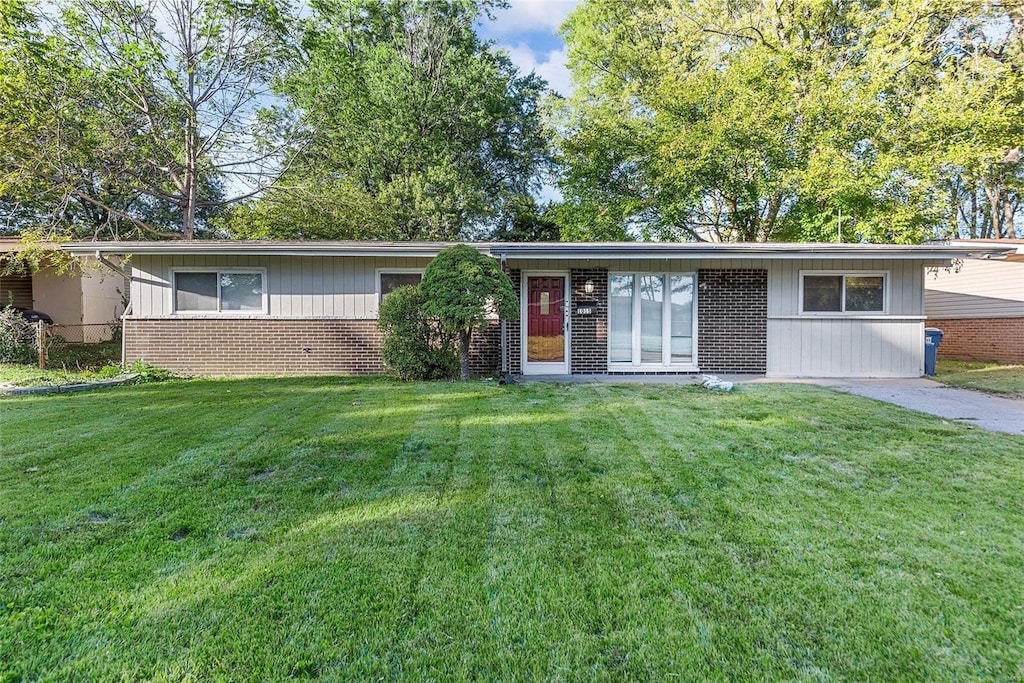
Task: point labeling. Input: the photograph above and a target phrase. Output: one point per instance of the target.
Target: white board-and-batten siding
(889, 345)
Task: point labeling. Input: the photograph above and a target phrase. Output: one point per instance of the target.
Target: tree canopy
(721, 120)
(135, 119)
(885, 120)
(411, 127)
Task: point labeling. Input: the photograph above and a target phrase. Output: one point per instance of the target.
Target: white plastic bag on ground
(712, 382)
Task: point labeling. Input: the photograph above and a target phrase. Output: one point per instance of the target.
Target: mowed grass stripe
(834, 516)
(364, 529)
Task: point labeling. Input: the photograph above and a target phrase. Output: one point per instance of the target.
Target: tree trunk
(993, 204)
(974, 212)
(191, 128)
(954, 209)
(464, 354)
(1009, 231)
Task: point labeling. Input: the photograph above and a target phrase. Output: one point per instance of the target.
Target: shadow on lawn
(254, 507)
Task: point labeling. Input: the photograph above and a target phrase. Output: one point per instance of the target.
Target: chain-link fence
(78, 347)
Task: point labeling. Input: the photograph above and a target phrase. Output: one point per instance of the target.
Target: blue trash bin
(932, 339)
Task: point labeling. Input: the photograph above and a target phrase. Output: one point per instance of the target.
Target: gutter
(505, 376)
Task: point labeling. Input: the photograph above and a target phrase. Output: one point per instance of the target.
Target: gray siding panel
(976, 288)
(941, 305)
(297, 287)
(845, 348)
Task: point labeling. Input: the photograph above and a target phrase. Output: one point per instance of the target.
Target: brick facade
(989, 339)
(732, 329)
(588, 341)
(732, 320)
(485, 351)
(515, 342)
(271, 346)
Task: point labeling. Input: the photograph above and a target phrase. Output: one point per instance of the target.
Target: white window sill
(197, 315)
(630, 367)
(845, 316)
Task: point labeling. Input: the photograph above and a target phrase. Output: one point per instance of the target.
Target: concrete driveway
(926, 396)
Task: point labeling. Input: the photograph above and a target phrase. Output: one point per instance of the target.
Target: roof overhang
(739, 250)
(264, 248)
(1014, 247)
(553, 250)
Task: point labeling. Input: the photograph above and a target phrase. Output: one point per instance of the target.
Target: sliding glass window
(651, 319)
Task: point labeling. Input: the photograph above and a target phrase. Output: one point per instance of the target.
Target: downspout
(505, 378)
(110, 264)
(128, 284)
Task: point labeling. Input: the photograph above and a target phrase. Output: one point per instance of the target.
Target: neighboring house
(785, 310)
(88, 298)
(979, 304)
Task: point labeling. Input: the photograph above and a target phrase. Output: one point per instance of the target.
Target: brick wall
(254, 346)
(732, 320)
(588, 339)
(991, 339)
(485, 351)
(515, 342)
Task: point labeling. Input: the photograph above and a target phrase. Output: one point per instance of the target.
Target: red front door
(545, 319)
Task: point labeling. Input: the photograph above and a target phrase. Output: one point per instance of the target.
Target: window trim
(666, 326)
(886, 279)
(393, 271)
(261, 270)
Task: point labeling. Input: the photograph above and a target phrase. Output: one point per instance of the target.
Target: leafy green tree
(524, 220)
(143, 114)
(756, 121)
(410, 126)
(462, 286)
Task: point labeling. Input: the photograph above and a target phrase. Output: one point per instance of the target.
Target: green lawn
(991, 377)
(361, 529)
(21, 375)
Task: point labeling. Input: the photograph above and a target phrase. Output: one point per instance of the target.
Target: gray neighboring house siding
(320, 309)
(979, 306)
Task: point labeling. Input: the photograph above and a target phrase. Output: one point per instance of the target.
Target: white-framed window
(825, 292)
(235, 291)
(389, 279)
(652, 319)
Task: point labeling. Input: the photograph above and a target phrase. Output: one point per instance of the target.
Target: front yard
(994, 378)
(362, 529)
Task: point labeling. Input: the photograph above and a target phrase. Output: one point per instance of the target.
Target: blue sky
(528, 31)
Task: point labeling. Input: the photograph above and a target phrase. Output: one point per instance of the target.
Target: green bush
(461, 288)
(17, 337)
(415, 347)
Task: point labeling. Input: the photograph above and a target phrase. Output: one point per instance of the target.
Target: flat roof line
(546, 250)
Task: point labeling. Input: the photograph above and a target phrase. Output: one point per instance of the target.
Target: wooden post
(41, 343)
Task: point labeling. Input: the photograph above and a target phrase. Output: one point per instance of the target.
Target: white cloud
(549, 65)
(533, 16)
